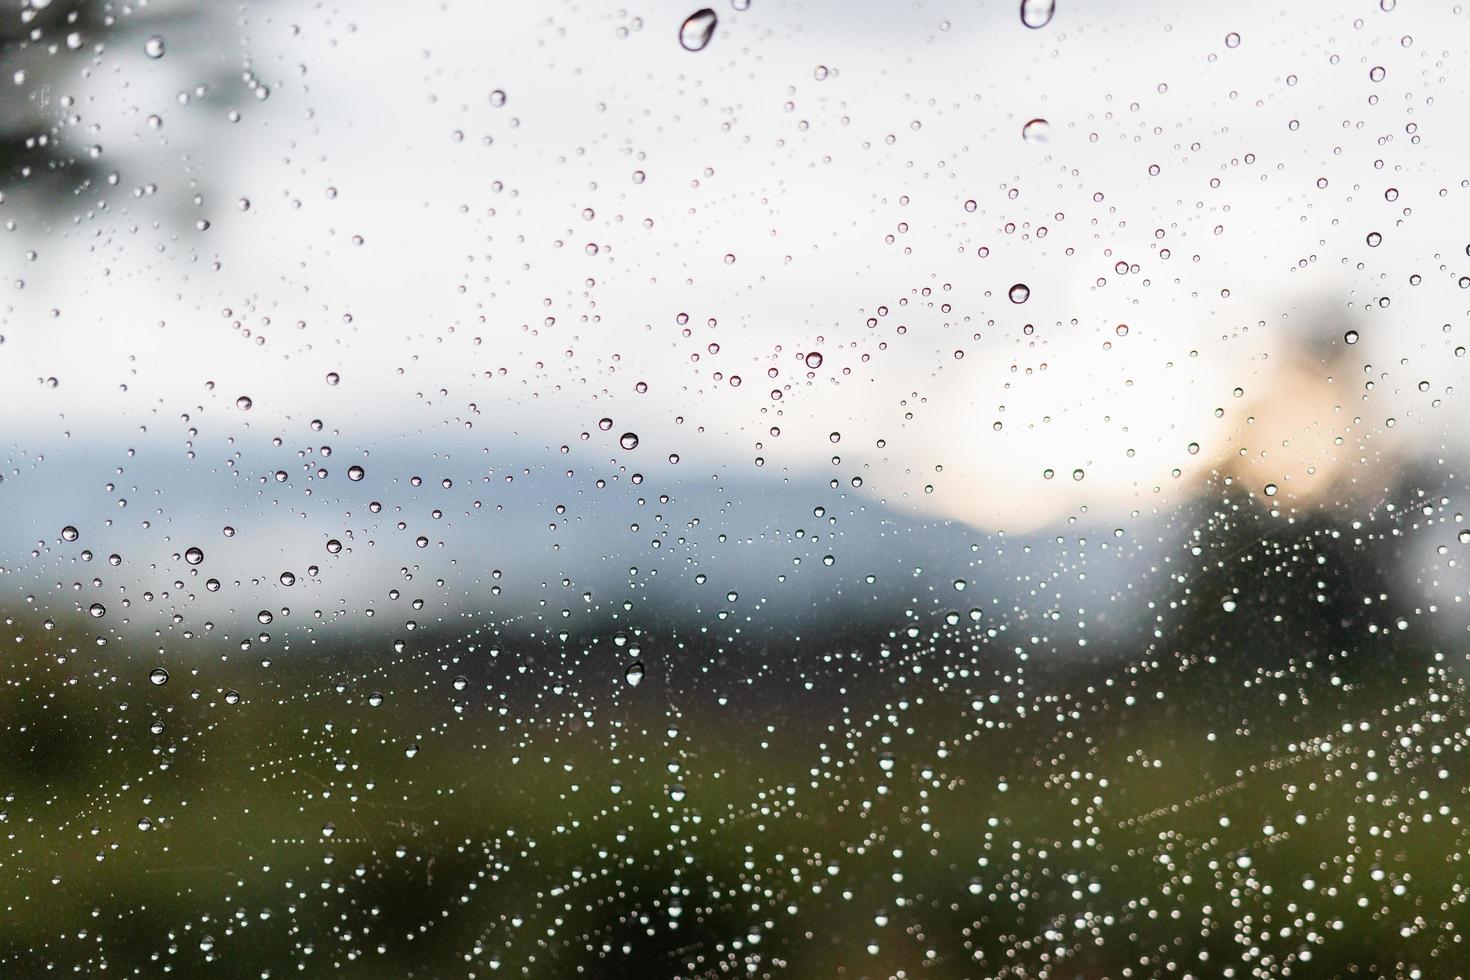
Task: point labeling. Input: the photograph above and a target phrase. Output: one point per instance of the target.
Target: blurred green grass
(1072, 826)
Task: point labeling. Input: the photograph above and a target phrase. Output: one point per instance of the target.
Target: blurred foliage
(1236, 791)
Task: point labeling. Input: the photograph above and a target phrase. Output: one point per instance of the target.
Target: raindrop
(355, 473)
(69, 533)
(628, 440)
(194, 556)
(814, 360)
(153, 47)
(697, 29)
(243, 403)
(1036, 131)
(1020, 293)
(634, 674)
(158, 676)
(1351, 337)
(1037, 13)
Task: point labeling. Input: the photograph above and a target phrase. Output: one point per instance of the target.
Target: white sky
(747, 153)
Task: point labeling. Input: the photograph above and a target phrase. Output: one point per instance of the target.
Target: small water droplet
(154, 46)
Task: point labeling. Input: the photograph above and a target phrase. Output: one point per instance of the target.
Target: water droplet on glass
(1037, 13)
(814, 360)
(153, 47)
(1036, 131)
(194, 556)
(628, 440)
(69, 533)
(158, 676)
(243, 403)
(634, 674)
(1351, 337)
(697, 29)
(355, 473)
(1020, 293)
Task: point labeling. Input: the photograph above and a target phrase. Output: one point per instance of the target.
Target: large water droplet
(697, 29)
(1036, 131)
(628, 440)
(153, 47)
(1037, 13)
(194, 556)
(634, 674)
(1020, 293)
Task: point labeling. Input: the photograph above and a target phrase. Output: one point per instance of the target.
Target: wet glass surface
(777, 489)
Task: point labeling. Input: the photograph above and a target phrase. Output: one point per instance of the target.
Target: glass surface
(790, 489)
